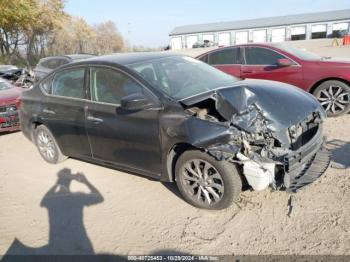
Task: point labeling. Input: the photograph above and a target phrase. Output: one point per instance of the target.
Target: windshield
(4, 85)
(180, 77)
(300, 53)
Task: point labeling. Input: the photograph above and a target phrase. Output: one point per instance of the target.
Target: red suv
(327, 79)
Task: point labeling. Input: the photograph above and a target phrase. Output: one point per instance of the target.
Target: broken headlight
(295, 131)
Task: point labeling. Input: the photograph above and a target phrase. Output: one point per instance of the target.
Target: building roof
(263, 22)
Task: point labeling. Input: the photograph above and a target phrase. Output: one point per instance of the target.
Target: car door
(127, 139)
(262, 63)
(63, 111)
(227, 60)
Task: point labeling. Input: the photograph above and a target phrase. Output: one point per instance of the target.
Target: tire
(219, 173)
(49, 151)
(334, 97)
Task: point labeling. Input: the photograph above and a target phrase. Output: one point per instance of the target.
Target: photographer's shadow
(67, 234)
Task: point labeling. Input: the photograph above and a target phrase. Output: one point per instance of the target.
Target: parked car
(205, 43)
(48, 64)
(9, 104)
(177, 119)
(10, 72)
(326, 79)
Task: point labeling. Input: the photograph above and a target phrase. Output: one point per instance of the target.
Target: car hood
(9, 95)
(261, 105)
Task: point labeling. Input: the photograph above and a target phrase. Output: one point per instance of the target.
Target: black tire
(335, 105)
(230, 179)
(54, 149)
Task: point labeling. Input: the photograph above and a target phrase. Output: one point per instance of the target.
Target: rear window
(53, 63)
(204, 58)
(227, 56)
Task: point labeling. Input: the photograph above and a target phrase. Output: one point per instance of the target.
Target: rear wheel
(47, 145)
(205, 182)
(334, 97)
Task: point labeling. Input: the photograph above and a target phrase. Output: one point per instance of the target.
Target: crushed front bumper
(306, 165)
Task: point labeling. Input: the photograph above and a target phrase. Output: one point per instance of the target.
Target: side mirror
(135, 102)
(284, 62)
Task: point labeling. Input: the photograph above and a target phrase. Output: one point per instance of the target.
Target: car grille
(8, 108)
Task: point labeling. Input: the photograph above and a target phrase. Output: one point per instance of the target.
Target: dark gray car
(48, 64)
(177, 119)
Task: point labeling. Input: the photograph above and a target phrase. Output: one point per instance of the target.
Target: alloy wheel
(46, 145)
(202, 182)
(334, 99)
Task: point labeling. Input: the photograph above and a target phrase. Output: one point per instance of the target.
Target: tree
(49, 16)
(32, 29)
(15, 18)
(108, 39)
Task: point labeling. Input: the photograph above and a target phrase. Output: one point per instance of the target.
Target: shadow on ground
(67, 234)
(68, 239)
(340, 151)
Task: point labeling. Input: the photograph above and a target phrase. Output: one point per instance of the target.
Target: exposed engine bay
(283, 150)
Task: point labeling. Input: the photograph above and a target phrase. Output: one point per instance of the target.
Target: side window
(226, 56)
(261, 56)
(69, 83)
(110, 86)
(46, 85)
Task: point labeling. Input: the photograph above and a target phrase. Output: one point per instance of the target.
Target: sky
(149, 22)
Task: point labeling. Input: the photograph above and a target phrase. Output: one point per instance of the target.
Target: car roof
(266, 45)
(72, 57)
(127, 58)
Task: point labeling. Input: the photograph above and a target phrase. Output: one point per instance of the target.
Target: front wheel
(47, 145)
(334, 97)
(205, 182)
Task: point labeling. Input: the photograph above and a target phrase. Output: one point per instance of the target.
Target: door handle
(94, 119)
(47, 111)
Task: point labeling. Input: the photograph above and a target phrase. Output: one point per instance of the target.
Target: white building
(273, 29)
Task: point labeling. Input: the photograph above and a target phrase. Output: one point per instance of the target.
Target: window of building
(318, 31)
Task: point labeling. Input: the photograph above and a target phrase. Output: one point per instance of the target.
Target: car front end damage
(273, 131)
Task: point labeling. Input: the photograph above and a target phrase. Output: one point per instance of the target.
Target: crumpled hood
(261, 105)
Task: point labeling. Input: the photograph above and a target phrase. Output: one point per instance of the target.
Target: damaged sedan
(177, 119)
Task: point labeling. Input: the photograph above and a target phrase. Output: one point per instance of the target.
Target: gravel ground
(128, 214)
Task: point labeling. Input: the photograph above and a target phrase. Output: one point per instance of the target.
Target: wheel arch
(35, 123)
(315, 85)
(173, 155)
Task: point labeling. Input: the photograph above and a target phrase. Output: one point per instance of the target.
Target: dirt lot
(128, 214)
(132, 215)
